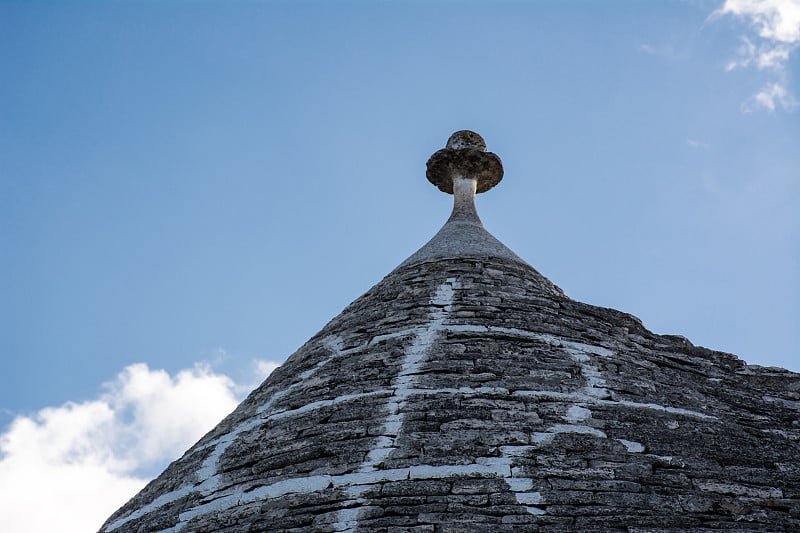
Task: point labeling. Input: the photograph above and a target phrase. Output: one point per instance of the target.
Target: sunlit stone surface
(466, 392)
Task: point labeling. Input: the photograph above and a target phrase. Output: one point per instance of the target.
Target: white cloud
(775, 20)
(775, 57)
(764, 57)
(769, 97)
(777, 25)
(696, 144)
(265, 368)
(67, 468)
(259, 371)
(661, 51)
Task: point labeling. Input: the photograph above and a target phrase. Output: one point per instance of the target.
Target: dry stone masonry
(467, 393)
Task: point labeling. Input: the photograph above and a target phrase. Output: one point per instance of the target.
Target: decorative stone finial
(465, 157)
(463, 169)
(466, 139)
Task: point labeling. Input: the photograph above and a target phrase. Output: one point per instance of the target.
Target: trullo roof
(466, 392)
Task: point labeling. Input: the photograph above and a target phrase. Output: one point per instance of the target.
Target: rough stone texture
(465, 392)
(464, 233)
(465, 155)
(527, 412)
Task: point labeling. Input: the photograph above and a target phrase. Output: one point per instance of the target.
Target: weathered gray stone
(465, 392)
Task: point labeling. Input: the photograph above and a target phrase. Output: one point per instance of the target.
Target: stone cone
(466, 392)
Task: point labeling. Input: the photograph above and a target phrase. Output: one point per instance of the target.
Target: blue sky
(200, 187)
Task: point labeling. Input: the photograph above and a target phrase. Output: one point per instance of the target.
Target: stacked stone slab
(466, 392)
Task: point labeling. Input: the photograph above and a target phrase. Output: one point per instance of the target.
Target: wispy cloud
(776, 24)
(696, 144)
(264, 368)
(258, 372)
(67, 468)
(771, 96)
(776, 20)
(666, 52)
(763, 57)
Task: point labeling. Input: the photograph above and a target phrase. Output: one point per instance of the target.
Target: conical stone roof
(466, 392)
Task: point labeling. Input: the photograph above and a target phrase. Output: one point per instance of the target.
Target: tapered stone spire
(466, 393)
(464, 168)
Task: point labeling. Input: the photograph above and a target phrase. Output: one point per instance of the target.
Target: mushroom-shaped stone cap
(466, 139)
(465, 156)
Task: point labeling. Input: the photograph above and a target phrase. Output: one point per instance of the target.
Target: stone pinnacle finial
(465, 157)
(466, 139)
